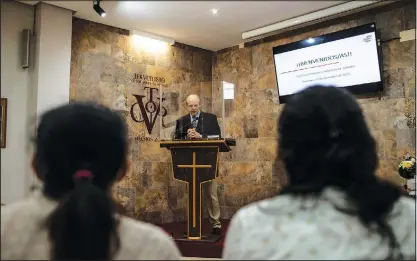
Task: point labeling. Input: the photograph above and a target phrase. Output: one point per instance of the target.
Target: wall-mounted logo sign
(150, 110)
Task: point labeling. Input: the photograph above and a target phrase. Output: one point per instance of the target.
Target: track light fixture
(98, 9)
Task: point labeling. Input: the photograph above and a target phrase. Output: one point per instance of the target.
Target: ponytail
(83, 226)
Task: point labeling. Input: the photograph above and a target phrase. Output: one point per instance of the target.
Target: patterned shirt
(196, 117)
(288, 227)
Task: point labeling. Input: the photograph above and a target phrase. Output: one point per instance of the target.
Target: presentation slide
(347, 62)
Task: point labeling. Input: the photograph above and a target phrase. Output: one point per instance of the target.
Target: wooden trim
(192, 141)
(3, 122)
(219, 142)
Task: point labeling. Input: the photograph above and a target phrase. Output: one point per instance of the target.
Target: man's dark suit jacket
(207, 125)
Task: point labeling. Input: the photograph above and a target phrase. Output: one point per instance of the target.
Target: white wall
(15, 85)
(32, 91)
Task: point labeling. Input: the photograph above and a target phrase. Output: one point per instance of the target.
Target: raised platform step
(197, 249)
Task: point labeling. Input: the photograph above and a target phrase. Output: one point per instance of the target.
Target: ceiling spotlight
(98, 9)
(214, 11)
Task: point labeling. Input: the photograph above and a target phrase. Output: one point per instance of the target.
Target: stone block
(251, 126)
(405, 138)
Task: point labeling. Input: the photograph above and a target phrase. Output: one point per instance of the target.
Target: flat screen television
(348, 59)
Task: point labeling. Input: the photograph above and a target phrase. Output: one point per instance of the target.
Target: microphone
(202, 126)
(186, 125)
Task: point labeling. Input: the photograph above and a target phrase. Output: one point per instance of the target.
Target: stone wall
(248, 173)
(103, 67)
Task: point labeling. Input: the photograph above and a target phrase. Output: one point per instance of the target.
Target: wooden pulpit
(195, 162)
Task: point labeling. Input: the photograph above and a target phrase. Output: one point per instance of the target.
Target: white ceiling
(191, 22)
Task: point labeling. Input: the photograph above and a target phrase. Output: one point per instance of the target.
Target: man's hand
(197, 135)
(189, 131)
(193, 134)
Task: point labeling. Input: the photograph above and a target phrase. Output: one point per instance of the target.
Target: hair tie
(83, 174)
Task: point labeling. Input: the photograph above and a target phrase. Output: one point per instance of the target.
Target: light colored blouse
(21, 237)
(288, 227)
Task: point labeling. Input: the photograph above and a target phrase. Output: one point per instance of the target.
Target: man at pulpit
(196, 125)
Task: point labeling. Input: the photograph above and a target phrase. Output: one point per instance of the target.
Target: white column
(50, 72)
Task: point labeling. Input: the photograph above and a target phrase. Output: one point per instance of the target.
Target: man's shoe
(216, 231)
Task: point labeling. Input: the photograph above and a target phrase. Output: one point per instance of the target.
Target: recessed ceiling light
(310, 40)
(214, 11)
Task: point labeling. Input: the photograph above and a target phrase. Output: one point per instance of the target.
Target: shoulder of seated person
(9, 208)
(252, 209)
(405, 205)
(402, 221)
(274, 206)
(140, 228)
(28, 205)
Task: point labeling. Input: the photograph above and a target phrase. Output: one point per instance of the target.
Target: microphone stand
(202, 125)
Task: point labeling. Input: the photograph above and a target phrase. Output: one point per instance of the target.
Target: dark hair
(81, 136)
(324, 141)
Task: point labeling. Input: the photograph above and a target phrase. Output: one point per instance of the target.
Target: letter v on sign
(149, 122)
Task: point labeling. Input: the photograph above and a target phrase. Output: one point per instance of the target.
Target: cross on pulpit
(195, 166)
(195, 162)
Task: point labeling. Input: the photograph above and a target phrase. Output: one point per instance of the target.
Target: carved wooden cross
(195, 166)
